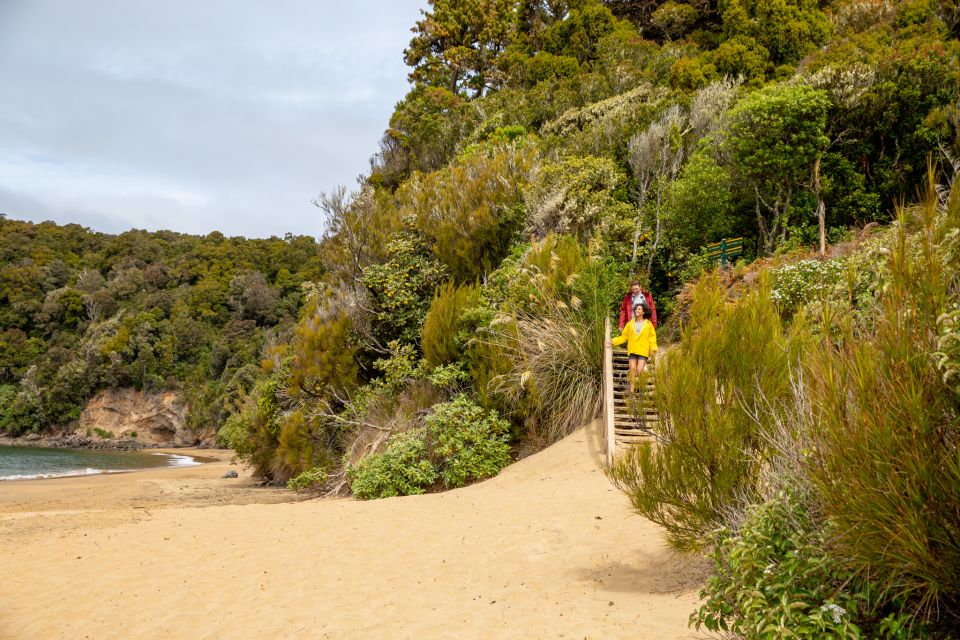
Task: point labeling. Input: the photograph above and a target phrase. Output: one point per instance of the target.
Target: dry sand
(547, 549)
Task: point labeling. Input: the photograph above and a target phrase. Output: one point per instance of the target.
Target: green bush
(467, 443)
(309, 479)
(403, 287)
(403, 468)
(773, 578)
(461, 442)
(439, 340)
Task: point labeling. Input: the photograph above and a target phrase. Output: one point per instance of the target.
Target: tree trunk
(637, 229)
(821, 208)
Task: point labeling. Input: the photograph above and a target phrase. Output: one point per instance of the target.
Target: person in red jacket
(636, 296)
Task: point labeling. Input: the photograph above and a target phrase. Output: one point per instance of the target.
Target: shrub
(402, 469)
(555, 350)
(805, 281)
(466, 442)
(461, 442)
(773, 578)
(403, 287)
(440, 341)
(469, 212)
(308, 479)
(887, 469)
(579, 196)
(305, 442)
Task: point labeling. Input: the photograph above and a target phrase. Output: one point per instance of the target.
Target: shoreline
(75, 441)
(196, 485)
(175, 461)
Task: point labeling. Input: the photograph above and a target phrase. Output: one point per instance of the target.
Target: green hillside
(82, 311)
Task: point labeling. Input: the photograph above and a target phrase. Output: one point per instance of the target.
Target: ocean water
(26, 463)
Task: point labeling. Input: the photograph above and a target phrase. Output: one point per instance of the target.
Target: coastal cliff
(150, 418)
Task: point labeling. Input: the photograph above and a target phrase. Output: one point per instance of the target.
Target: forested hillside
(81, 311)
(546, 153)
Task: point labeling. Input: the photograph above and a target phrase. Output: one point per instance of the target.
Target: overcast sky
(195, 115)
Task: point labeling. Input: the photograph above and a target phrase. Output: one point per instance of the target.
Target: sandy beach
(548, 549)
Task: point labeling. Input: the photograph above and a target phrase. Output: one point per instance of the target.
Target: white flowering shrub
(795, 285)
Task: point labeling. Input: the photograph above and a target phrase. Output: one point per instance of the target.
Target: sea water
(27, 463)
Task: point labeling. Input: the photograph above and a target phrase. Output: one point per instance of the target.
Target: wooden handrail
(610, 437)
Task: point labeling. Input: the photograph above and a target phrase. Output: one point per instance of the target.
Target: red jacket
(626, 309)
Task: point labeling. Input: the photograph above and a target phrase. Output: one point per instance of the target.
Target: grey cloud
(193, 116)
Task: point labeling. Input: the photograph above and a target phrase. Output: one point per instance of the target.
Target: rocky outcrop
(150, 418)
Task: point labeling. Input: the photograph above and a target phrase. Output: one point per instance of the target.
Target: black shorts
(638, 358)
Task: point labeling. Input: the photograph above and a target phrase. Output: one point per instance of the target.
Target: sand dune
(548, 549)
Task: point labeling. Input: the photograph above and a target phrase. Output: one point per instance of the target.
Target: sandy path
(548, 549)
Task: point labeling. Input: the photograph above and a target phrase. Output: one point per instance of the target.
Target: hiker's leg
(633, 373)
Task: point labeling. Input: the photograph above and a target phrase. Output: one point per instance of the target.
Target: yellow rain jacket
(640, 342)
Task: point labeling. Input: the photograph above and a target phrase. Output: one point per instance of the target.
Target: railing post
(609, 435)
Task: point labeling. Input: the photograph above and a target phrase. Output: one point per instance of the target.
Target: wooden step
(635, 433)
(634, 423)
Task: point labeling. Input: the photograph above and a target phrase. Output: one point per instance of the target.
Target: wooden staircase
(629, 416)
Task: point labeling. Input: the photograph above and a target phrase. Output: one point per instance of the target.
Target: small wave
(60, 474)
(178, 460)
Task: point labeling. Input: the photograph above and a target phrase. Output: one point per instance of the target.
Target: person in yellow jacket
(641, 339)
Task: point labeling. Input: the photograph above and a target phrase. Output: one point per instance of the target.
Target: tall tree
(773, 142)
(457, 43)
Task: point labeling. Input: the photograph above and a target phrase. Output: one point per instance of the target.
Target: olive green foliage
(674, 19)
(456, 44)
(581, 196)
(470, 212)
(886, 469)
(425, 131)
(698, 206)
(253, 432)
(786, 30)
(551, 330)
(357, 229)
(538, 273)
(460, 442)
(309, 479)
(81, 311)
(323, 354)
(712, 435)
(442, 341)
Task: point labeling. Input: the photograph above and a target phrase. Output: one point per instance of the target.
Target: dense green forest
(82, 311)
(451, 318)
